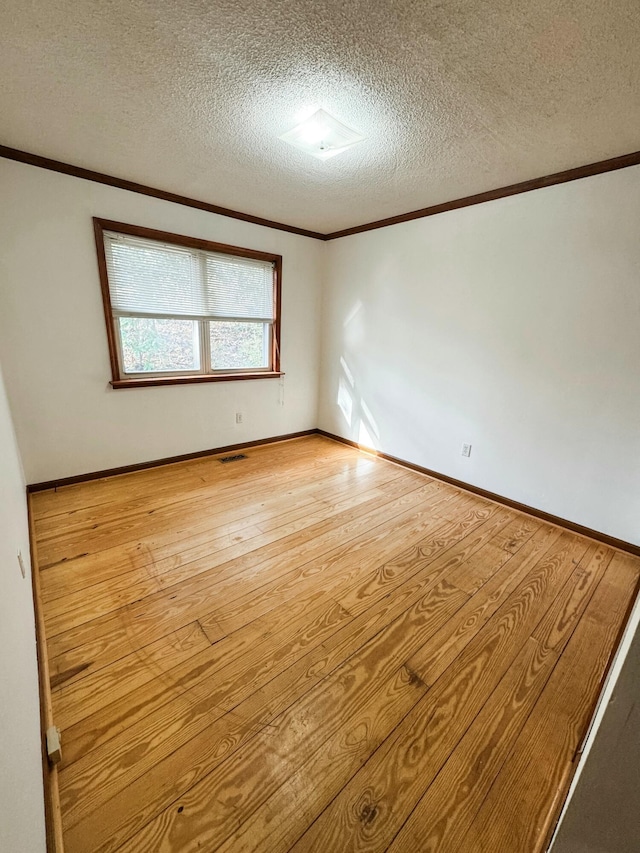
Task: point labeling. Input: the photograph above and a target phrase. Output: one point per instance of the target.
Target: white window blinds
(148, 278)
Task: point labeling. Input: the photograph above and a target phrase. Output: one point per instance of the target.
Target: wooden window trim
(121, 380)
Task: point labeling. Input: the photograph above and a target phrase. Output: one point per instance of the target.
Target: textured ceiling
(454, 96)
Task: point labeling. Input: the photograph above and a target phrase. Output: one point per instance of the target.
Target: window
(179, 309)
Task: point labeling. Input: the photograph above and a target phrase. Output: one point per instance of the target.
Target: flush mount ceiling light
(322, 135)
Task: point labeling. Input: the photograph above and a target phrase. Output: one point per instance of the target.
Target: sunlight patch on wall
(345, 401)
(366, 412)
(364, 437)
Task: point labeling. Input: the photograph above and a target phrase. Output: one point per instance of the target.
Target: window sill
(143, 382)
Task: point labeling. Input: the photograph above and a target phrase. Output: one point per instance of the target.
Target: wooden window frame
(118, 378)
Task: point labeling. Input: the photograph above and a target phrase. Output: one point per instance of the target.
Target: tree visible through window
(154, 345)
(183, 307)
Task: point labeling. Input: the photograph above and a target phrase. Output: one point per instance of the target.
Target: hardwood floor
(315, 650)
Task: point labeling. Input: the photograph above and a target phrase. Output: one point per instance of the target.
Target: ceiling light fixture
(322, 136)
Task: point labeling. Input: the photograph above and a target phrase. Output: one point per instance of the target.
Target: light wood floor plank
(527, 792)
(432, 660)
(211, 532)
(182, 476)
(107, 632)
(179, 512)
(242, 640)
(305, 726)
(388, 787)
(459, 789)
(199, 576)
(313, 649)
(166, 779)
(185, 605)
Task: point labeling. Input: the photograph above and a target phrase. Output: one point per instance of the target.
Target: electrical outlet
(466, 450)
(238, 417)
(23, 571)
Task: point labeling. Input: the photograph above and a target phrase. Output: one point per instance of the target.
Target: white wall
(21, 797)
(512, 325)
(54, 348)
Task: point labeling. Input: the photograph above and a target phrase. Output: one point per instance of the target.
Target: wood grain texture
(465, 780)
(155, 463)
(316, 649)
(559, 721)
(52, 809)
(565, 523)
(390, 785)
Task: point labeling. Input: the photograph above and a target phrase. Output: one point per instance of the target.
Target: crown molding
(143, 189)
(599, 168)
(576, 174)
